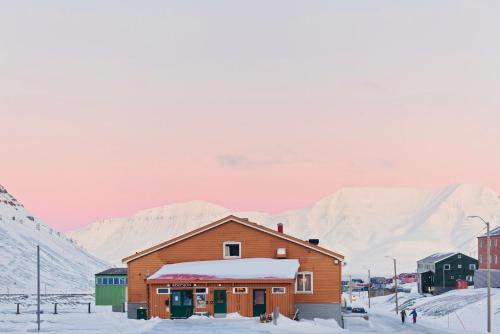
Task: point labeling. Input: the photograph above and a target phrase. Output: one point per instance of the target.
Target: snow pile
(364, 224)
(65, 268)
(229, 269)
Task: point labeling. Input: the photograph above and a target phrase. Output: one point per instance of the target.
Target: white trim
(162, 293)
(446, 266)
(240, 293)
(278, 287)
(227, 257)
(228, 219)
(312, 282)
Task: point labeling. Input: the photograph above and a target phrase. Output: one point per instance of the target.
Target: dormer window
(232, 250)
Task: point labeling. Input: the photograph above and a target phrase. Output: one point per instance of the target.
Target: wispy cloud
(241, 161)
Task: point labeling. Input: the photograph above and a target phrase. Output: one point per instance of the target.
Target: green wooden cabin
(111, 288)
(440, 272)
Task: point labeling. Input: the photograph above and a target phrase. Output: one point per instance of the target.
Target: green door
(220, 305)
(181, 304)
(259, 302)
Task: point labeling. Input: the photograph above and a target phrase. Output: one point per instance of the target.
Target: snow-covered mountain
(65, 267)
(364, 224)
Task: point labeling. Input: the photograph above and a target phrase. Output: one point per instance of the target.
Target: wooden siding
(254, 244)
(241, 303)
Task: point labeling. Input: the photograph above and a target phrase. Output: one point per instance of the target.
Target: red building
(494, 249)
(480, 276)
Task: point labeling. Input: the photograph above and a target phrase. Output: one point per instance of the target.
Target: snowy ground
(459, 311)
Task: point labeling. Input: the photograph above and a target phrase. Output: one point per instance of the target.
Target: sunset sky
(108, 107)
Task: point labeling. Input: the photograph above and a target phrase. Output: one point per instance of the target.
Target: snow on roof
(493, 232)
(436, 257)
(113, 271)
(258, 268)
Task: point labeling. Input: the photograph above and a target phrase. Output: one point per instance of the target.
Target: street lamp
(395, 283)
(488, 268)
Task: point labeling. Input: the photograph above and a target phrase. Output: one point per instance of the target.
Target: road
(383, 322)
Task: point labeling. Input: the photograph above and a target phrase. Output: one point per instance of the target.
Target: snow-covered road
(382, 322)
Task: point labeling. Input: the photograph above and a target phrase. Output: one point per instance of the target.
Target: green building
(111, 288)
(442, 272)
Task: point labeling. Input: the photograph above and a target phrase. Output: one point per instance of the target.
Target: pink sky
(105, 111)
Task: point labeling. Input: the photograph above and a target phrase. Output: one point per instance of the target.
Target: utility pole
(395, 283)
(488, 270)
(350, 289)
(369, 286)
(38, 285)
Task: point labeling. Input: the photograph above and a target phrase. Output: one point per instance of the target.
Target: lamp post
(395, 283)
(488, 269)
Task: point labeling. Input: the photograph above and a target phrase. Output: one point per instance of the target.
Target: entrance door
(181, 304)
(220, 305)
(259, 302)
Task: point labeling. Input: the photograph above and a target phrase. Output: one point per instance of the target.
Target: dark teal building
(441, 272)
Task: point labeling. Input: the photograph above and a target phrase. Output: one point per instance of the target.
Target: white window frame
(480, 259)
(459, 266)
(446, 266)
(240, 293)
(162, 293)
(278, 287)
(312, 282)
(472, 266)
(227, 257)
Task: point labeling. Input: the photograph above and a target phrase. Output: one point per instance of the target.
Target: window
(163, 291)
(98, 280)
(495, 242)
(470, 278)
(278, 290)
(459, 266)
(446, 267)
(201, 297)
(104, 280)
(480, 243)
(480, 259)
(126, 281)
(116, 281)
(459, 256)
(472, 266)
(239, 291)
(304, 282)
(452, 277)
(232, 250)
(122, 281)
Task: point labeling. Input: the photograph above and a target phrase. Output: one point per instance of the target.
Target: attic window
(232, 250)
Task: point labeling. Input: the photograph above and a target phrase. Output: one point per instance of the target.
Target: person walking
(403, 316)
(414, 314)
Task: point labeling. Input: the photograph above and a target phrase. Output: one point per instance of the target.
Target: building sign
(181, 285)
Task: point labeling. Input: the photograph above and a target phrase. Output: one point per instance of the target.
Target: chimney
(314, 241)
(280, 228)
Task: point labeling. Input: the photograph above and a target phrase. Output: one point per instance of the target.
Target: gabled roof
(436, 257)
(113, 271)
(493, 232)
(243, 221)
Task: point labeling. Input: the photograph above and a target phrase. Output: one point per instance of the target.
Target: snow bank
(229, 269)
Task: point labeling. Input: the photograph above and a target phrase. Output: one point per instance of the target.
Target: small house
(111, 288)
(441, 272)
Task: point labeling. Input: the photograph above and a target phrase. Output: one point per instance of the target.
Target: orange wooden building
(234, 265)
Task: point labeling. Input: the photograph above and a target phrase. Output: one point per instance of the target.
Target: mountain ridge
(65, 267)
(362, 223)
